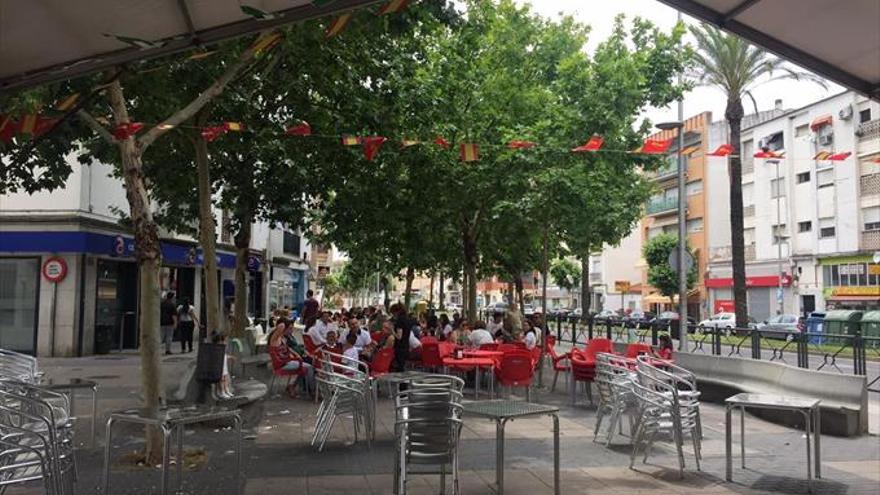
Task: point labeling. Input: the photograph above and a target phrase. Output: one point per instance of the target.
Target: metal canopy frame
(728, 22)
(192, 38)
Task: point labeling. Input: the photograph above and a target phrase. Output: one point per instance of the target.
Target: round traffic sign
(876, 256)
(54, 269)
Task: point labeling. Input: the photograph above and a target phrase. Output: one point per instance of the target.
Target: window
(802, 130)
(292, 244)
(778, 233)
(864, 115)
(748, 193)
(826, 228)
(871, 217)
(773, 142)
(695, 225)
(19, 288)
(803, 177)
(695, 187)
(777, 187)
(805, 226)
(825, 178)
(749, 236)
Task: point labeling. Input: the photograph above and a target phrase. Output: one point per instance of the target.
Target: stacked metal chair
(427, 428)
(345, 391)
(36, 429)
(665, 410)
(614, 378)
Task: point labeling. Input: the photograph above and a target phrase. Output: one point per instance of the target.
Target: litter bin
(103, 339)
(815, 323)
(842, 322)
(209, 363)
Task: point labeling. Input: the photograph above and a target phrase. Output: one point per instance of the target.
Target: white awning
(50, 40)
(837, 39)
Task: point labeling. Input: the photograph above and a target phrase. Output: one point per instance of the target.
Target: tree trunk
(431, 291)
(470, 261)
(407, 295)
(207, 231)
(464, 296)
(242, 253)
(734, 114)
(518, 285)
(440, 295)
(545, 267)
(148, 254)
(585, 288)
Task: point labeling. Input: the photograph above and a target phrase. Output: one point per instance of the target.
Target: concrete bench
(844, 397)
(243, 349)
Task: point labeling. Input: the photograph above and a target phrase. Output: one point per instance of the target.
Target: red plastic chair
(634, 350)
(429, 339)
(375, 336)
(381, 363)
(560, 361)
(582, 370)
(311, 348)
(516, 370)
(489, 347)
(278, 360)
(598, 346)
(536, 356)
(431, 356)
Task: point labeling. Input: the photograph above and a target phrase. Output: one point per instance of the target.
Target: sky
(599, 15)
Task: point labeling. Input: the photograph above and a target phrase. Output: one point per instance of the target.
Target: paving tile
(870, 470)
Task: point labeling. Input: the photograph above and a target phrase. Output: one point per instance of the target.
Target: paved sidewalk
(278, 458)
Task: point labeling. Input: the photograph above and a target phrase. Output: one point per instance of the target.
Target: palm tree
(736, 68)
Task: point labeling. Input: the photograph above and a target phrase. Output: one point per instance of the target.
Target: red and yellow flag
(654, 146)
(338, 25)
(350, 140)
(301, 129)
(234, 126)
(393, 6)
(27, 124)
(769, 154)
(839, 157)
(470, 152)
(210, 134)
(67, 103)
(593, 144)
(521, 145)
(406, 143)
(372, 145)
(127, 129)
(690, 150)
(821, 156)
(7, 127)
(723, 150)
(439, 141)
(265, 42)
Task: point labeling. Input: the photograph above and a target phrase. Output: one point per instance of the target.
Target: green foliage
(566, 273)
(660, 274)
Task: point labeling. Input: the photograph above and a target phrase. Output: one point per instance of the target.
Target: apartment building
(616, 275)
(811, 226)
(73, 235)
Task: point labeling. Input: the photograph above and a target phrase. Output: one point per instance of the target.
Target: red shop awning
(821, 122)
(762, 281)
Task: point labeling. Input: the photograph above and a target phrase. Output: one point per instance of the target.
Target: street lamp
(779, 236)
(682, 231)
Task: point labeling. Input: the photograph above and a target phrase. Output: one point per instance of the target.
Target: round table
(476, 363)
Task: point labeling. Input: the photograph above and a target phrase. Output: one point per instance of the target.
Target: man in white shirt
(414, 342)
(362, 335)
(318, 332)
(480, 336)
(496, 324)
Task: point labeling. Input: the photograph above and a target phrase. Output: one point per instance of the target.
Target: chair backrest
(596, 346)
(278, 357)
(516, 368)
(431, 355)
(551, 340)
(491, 346)
(636, 349)
(429, 339)
(309, 343)
(381, 362)
(375, 336)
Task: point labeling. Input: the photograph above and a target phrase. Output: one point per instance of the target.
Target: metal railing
(837, 353)
(660, 205)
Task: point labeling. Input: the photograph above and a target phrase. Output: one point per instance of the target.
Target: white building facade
(810, 226)
(615, 264)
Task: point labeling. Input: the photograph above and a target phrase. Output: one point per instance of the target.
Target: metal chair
(342, 395)
(613, 382)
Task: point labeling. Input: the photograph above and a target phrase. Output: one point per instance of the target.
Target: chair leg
(599, 415)
(272, 385)
(443, 479)
(555, 377)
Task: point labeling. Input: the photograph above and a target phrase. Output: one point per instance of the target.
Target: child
(223, 388)
(665, 350)
(351, 351)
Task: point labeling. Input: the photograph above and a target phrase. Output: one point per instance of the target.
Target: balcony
(595, 278)
(725, 253)
(749, 211)
(871, 240)
(668, 171)
(656, 206)
(868, 130)
(869, 184)
(748, 166)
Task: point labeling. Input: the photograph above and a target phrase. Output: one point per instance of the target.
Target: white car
(720, 320)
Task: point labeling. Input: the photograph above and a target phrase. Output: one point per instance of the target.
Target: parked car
(558, 313)
(720, 320)
(451, 308)
(639, 319)
(780, 326)
(577, 312)
(499, 307)
(606, 316)
(528, 309)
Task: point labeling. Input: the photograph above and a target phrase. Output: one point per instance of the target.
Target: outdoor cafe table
(70, 386)
(502, 411)
(477, 363)
(808, 407)
(171, 420)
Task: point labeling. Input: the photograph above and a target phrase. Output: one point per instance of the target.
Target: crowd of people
(360, 333)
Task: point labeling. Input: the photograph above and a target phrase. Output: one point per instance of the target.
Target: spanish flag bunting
(43, 125)
(822, 155)
(164, 126)
(258, 14)
(593, 144)
(654, 146)
(392, 7)
(210, 134)
(769, 154)
(521, 145)
(301, 129)
(372, 144)
(127, 129)
(723, 150)
(690, 150)
(67, 103)
(406, 143)
(201, 55)
(873, 160)
(233, 126)
(439, 141)
(265, 42)
(27, 124)
(337, 25)
(470, 152)
(7, 127)
(351, 140)
(839, 157)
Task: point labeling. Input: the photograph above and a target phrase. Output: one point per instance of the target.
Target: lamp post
(678, 126)
(778, 235)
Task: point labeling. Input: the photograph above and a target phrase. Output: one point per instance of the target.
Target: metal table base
(70, 387)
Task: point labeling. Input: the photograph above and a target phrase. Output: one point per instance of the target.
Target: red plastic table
(476, 363)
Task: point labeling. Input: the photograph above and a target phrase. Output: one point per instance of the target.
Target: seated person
(292, 360)
(664, 350)
(363, 338)
(332, 345)
(480, 336)
(445, 327)
(530, 338)
(460, 335)
(349, 349)
(318, 331)
(496, 324)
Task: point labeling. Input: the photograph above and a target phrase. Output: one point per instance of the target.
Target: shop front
(288, 283)
(763, 293)
(851, 282)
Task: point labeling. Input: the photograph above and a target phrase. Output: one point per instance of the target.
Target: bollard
(756, 343)
(859, 357)
(803, 357)
(654, 331)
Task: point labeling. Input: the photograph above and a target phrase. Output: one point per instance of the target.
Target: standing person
(496, 324)
(445, 327)
(403, 325)
(311, 307)
(186, 322)
(167, 320)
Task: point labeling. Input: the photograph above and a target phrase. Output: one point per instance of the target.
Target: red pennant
(372, 144)
(439, 141)
(8, 128)
(723, 150)
(655, 146)
(521, 145)
(839, 157)
(470, 152)
(126, 130)
(769, 154)
(211, 134)
(302, 129)
(875, 160)
(233, 126)
(44, 124)
(593, 144)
